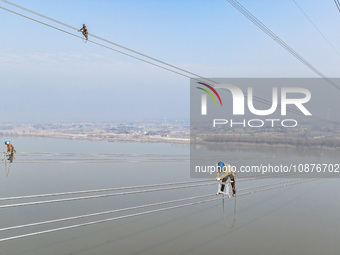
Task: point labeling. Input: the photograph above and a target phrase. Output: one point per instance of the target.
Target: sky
(50, 76)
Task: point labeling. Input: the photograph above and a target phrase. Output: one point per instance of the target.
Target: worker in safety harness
(225, 171)
(84, 31)
(10, 151)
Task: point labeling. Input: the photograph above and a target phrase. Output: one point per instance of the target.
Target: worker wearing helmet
(225, 171)
(10, 151)
(84, 31)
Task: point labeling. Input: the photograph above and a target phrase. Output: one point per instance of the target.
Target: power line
(278, 40)
(102, 213)
(101, 196)
(110, 42)
(96, 43)
(131, 208)
(97, 157)
(100, 190)
(80, 154)
(127, 209)
(105, 40)
(324, 37)
(337, 4)
(136, 187)
(141, 213)
(106, 220)
(199, 78)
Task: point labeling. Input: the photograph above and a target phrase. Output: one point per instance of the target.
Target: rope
(138, 214)
(7, 163)
(234, 217)
(225, 216)
(7, 168)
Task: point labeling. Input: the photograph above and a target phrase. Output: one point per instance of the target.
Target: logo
(282, 99)
(239, 100)
(204, 97)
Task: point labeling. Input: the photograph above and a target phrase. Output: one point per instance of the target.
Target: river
(297, 219)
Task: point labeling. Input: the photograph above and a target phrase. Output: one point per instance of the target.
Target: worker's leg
(224, 180)
(233, 184)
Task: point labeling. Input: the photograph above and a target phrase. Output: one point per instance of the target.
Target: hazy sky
(49, 76)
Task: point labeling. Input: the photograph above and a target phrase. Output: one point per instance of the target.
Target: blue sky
(49, 76)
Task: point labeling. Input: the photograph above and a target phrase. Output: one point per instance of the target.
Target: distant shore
(175, 132)
(275, 141)
(244, 141)
(98, 137)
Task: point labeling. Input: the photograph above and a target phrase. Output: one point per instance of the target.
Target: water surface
(299, 219)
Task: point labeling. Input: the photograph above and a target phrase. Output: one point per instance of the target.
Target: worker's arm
(223, 175)
(218, 176)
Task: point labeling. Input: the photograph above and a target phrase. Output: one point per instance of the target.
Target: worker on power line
(225, 171)
(85, 32)
(10, 151)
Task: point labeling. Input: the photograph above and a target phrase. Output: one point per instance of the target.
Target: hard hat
(220, 165)
(83, 24)
(7, 142)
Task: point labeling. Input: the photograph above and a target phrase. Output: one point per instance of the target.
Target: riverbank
(168, 132)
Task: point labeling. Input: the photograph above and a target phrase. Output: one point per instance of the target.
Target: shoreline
(100, 137)
(156, 139)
